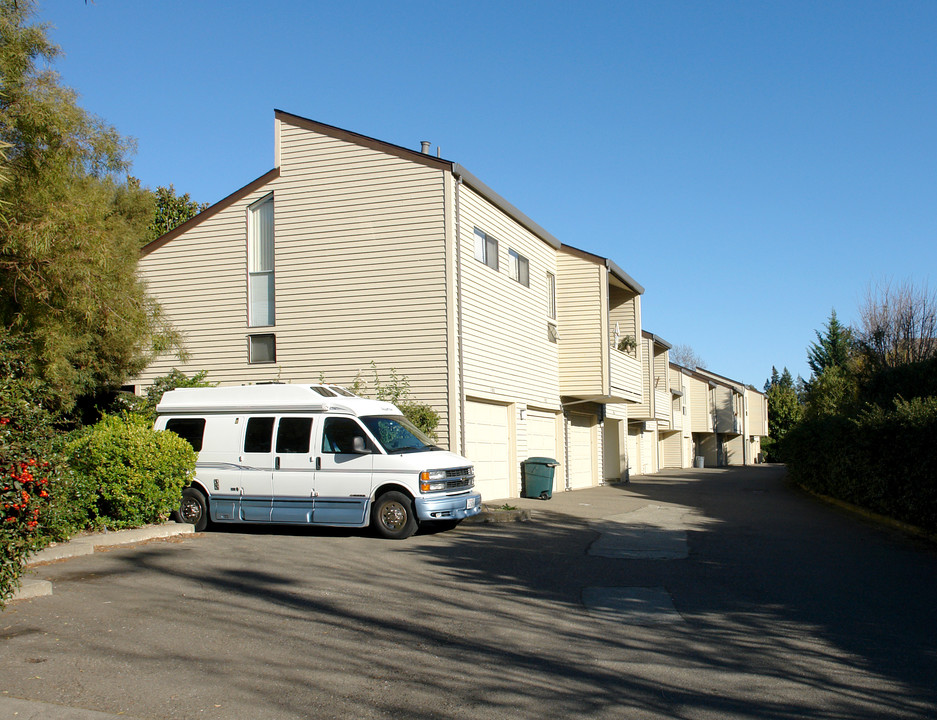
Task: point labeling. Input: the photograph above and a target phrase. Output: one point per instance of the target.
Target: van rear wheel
(194, 508)
(393, 517)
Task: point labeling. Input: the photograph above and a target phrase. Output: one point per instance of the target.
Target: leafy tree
(73, 227)
(833, 348)
(171, 211)
(784, 410)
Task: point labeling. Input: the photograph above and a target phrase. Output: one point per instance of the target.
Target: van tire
(392, 516)
(194, 508)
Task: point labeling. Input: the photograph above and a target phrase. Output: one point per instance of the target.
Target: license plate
(469, 503)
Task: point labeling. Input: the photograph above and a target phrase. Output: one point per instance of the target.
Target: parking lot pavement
(752, 601)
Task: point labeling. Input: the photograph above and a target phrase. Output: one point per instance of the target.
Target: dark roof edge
(624, 277)
(611, 267)
(359, 139)
(503, 205)
(734, 384)
(210, 210)
(656, 339)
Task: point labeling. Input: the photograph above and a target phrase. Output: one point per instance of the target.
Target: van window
(339, 433)
(293, 435)
(192, 430)
(259, 435)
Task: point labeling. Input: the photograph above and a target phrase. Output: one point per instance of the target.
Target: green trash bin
(537, 477)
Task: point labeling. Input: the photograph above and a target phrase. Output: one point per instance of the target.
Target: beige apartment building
(353, 251)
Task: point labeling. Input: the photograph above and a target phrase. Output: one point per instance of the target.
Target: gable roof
(416, 156)
(211, 210)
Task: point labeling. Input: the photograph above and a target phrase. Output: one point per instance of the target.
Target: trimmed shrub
(137, 474)
(884, 460)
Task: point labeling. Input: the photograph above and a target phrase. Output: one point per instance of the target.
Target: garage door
(541, 442)
(487, 445)
(581, 468)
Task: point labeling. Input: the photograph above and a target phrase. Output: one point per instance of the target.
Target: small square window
(262, 348)
(486, 249)
(520, 267)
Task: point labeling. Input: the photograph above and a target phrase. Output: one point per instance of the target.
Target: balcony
(625, 376)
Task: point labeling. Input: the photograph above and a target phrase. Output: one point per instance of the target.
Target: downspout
(458, 303)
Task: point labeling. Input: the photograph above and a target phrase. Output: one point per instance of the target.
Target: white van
(313, 455)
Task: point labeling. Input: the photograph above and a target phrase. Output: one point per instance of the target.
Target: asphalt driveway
(695, 594)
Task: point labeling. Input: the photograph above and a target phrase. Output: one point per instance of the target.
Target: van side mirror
(358, 446)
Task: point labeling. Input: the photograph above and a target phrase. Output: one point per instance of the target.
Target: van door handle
(318, 463)
(276, 464)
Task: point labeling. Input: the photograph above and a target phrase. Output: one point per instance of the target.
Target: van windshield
(396, 434)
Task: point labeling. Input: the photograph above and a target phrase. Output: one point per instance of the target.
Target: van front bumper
(448, 508)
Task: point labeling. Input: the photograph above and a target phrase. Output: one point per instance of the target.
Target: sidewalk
(88, 544)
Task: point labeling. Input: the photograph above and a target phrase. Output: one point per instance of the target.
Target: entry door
(581, 451)
(343, 481)
(256, 484)
(294, 471)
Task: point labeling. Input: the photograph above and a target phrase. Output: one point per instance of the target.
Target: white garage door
(541, 442)
(487, 445)
(581, 468)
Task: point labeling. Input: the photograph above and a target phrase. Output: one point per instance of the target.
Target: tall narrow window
(551, 296)
(520, 267)
(260, 263)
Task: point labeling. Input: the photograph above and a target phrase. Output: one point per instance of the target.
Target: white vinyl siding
(361, 274)
(581, 315)
(506, 349)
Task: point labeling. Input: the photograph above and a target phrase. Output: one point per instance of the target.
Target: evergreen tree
(784, 410)
(73, 225)
(833, 348)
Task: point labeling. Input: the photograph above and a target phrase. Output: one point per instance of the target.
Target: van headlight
(432, 480)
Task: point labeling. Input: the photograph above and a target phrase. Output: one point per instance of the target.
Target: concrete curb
(87, 545)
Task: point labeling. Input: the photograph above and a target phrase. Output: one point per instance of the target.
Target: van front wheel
(393, 517)
(194, 508)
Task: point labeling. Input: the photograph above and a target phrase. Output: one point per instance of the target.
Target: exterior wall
(357, 231)
(581, 289)
(507, 354)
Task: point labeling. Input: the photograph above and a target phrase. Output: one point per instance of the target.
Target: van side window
(192, 430)
(293, 435)
(339, 433)
(259, 435)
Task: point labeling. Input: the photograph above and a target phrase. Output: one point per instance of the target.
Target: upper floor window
(260, 281)
(551, 296)
(486, 249)
(520, 267)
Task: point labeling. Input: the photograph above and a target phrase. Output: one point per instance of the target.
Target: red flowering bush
(24, 497)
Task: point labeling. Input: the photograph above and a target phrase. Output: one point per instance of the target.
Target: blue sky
(754, 165)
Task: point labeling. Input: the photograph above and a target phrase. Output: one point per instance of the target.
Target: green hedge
(135, 473)
(885, 460)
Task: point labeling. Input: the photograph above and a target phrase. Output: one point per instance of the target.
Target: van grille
(457, 484)
(460, 478)
(460, 472)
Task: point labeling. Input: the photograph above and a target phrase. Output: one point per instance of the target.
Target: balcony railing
(625, 375)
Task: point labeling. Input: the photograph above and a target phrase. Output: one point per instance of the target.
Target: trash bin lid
(551, 462)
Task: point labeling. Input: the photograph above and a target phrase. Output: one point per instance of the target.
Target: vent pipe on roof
(425, 144)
